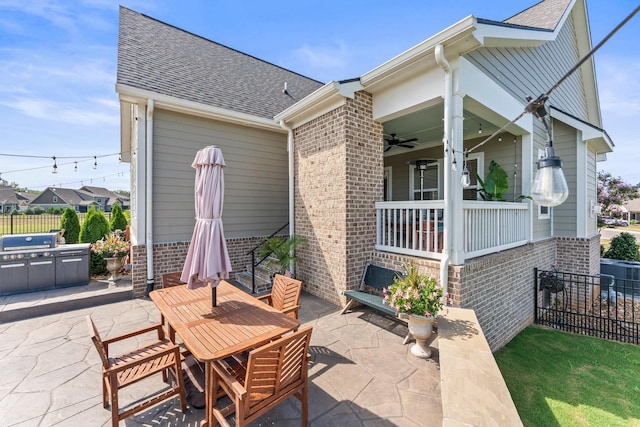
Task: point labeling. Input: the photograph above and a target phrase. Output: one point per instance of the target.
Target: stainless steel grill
(30, 262)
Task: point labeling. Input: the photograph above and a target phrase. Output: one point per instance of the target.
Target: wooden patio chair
(159, 356)
(270, 375)
(169, 280)
(284, 296)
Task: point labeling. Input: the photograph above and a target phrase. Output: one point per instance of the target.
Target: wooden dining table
(238, 322)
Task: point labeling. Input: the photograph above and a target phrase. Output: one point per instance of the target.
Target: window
(55, 199)
(430, 182)
(475, 164)
(387, 184)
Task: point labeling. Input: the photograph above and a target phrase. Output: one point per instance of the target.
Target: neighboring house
(632, 210)
(11, 200)
(105, 199)
(334, 162)
(54, 197)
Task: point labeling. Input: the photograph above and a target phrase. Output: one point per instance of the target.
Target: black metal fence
(42, 223)
(600, 306)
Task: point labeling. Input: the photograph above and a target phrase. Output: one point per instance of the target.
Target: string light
(55, 166)
(465, 179)
(95, 162)
(75, 168)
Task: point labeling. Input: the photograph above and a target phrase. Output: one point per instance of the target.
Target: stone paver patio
(361, 374)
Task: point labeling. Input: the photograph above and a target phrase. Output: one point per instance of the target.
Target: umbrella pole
(214, 302)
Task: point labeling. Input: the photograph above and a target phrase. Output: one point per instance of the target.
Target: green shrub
(118, 220)
(71, 225)
(623, 247)
(94, 227)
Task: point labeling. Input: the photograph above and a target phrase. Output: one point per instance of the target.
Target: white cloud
(84, 114)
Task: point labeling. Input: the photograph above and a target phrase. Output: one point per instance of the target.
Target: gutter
(446, 138)
(149, 196)
(284, 126)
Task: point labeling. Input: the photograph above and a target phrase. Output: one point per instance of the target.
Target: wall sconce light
(549, 185)
(55, 166)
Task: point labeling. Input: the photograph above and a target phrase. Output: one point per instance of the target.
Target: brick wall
(168, 257)
(500, 288)
(337, 215)
(579, 255)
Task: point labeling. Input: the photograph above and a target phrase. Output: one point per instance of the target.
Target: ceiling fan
(396, 142)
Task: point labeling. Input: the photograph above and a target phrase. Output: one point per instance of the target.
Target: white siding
(592, 192)
(256, 176)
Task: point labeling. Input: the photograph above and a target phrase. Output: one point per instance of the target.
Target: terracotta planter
(421, 327)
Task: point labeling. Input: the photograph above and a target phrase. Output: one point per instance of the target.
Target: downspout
(446, 138)
(149, 195)
(284, 126)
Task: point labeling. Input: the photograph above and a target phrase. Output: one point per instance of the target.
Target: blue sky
(58, 67)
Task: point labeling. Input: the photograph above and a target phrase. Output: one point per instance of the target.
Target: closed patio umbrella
(207, 259)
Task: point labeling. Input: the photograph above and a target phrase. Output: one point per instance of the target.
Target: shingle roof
(67, 195)
(545, 15)
(8, 196)
(632, 205)
(164, 59)
(98, 191)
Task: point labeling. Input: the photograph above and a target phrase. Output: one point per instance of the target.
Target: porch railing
(493, 226)
(416, 227)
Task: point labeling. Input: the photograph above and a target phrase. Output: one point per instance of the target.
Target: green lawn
(561, 379)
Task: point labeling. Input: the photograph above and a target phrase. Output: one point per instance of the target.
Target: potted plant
(421, 298)
(495, 184)
(113, 249)
(279, 254)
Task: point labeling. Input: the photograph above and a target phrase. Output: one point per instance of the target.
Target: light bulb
(465, 179)
(549, 185)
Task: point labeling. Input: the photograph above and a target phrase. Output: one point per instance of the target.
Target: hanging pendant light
(55, 166)
(549, 185)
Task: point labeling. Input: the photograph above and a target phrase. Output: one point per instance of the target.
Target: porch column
(456, 212)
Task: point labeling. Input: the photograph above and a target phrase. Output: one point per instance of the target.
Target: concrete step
(42, 303)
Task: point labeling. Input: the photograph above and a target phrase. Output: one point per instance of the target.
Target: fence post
(11, 223)
(535, 295)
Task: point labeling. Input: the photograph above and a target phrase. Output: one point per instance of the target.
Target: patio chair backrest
(97, 342)
(285, 292)
(276, 369)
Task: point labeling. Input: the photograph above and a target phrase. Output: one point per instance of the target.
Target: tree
(613, 192)
(71, 225)
(623, 247)
(94, 227)
(118, 220)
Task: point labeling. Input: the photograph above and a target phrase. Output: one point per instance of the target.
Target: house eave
(592, 135)
(327, 98)
(132, 95)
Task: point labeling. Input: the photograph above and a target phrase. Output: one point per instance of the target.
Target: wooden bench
(369, 293)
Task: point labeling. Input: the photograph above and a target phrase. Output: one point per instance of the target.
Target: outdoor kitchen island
(33, 262)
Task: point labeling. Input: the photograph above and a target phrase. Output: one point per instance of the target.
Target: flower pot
(421, 327)
(114, 265)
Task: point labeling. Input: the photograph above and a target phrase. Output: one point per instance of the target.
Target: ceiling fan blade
(406, 146)
(410, 140)
(387, 149)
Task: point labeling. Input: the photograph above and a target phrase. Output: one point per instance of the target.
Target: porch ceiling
(427, 126)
